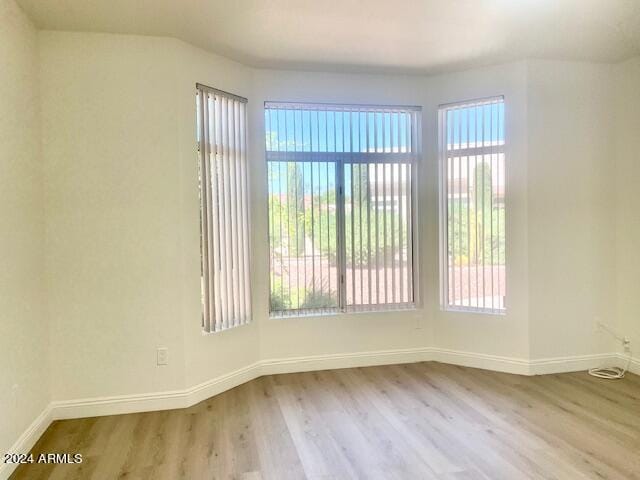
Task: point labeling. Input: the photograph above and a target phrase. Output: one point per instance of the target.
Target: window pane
(378, 244)
(340, 206)
(474, 199)
(302, 236)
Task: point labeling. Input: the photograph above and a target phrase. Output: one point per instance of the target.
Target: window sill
(395, 309)
(223, 330)
(476, 311)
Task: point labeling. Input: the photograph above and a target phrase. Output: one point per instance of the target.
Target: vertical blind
(472, 162)
(341, 206)
(224, 208)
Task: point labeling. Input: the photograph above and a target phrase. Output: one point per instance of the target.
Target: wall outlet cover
(163, 356)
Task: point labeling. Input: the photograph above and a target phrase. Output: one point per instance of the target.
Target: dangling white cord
(613, 373)
(609, 373)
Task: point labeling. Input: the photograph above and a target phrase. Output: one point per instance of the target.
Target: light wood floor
(417, 421)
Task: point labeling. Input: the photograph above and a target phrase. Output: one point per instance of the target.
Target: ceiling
(367, 35)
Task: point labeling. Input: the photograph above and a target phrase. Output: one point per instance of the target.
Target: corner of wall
(159, 300)
(627, 216)
(570, 179)
(24, 340)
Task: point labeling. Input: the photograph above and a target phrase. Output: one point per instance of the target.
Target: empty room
(330, 239)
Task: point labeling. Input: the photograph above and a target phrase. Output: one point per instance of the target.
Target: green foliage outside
(367, 241)
(318, 300)
(283, 299)
(473, 240)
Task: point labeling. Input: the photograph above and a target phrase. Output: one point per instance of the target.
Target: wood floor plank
(538, 413)
(319, 454)
(414, 421)
(280, 457)
(398, 455)
(402, 419)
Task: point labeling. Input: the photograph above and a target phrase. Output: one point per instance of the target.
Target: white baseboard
(576, 363)
(344, 360)
(148, 402)
(116, 405)
(480, 360)
(27, 440)
(92, 407)
(221, 384)
(634, 364)
(543, 366)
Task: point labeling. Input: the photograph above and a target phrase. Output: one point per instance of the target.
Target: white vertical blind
(223, 170)
(472, 222)
(341, 206)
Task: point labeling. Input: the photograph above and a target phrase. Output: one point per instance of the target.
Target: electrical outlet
(163, 356)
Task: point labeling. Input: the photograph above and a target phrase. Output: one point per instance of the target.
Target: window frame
(443, 183)
(341, 159)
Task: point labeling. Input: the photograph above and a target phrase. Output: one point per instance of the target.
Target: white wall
(207, 356)
(570, 198)
(112, 213)
(122, 214)
(122, 233)
(501, 335)
(122, 223)
(627, 127)
(427, 326)
(24, 382)
(122, 218)
(333, 334)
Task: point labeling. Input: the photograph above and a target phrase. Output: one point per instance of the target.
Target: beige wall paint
(627, 127)
(570, 201)
(24, 381)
